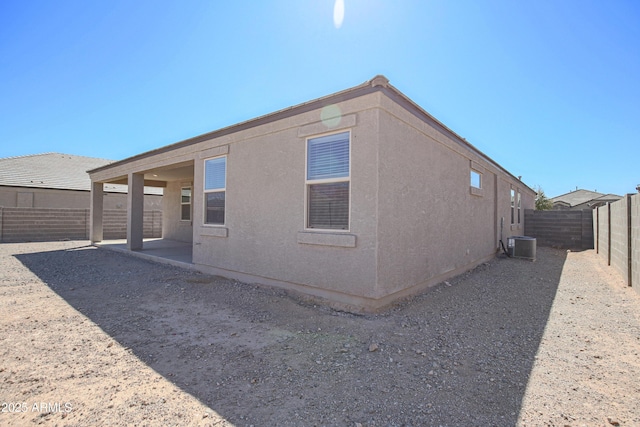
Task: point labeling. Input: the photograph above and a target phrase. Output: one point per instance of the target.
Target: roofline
(394, 94)
(574, 191)
(48, 153)
(609, 196)
(377, 84)
(354, 92)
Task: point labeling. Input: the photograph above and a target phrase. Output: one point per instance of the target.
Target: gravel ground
(93, 337)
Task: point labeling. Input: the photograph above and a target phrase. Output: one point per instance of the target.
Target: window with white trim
(513, 206)
(215, 183)
(185, 204)
(519, 205)
(328, 182)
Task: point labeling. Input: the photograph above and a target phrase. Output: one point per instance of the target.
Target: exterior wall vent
(522, 247)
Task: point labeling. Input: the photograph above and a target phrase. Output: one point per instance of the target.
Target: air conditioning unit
(522, 247)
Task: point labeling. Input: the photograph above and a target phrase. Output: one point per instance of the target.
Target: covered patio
(174, 176)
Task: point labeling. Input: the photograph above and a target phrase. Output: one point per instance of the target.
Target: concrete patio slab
(165, 251)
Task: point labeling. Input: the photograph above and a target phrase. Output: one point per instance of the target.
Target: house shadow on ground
(459, 354)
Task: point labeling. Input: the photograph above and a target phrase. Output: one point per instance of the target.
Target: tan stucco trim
(213, 231)
(476, 191)
(476, 166)
(317, 128)
(327, 239)
(213, 152)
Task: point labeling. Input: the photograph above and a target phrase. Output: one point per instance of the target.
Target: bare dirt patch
(122, 341)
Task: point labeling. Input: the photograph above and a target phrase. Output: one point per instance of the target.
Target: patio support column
(135, 211)
(95, 214)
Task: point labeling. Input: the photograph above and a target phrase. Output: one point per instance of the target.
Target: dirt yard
(90, 337)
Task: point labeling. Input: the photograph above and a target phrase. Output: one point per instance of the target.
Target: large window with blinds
(328, 181)
(215, 185)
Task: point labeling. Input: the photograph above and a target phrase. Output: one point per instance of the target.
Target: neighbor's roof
(579, 197)
(55, 171)
(608, 197)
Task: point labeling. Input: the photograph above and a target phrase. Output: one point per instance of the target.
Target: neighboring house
(582, 199)
(359, 198)
(50, 182)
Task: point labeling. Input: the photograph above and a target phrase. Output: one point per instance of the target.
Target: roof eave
(378, 83)
(354, 92)
(406, 102)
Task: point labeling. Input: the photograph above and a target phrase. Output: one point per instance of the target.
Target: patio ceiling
(159, 177)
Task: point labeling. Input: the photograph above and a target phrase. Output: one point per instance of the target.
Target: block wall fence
(569, 229)
(46, 224)
(616, 228)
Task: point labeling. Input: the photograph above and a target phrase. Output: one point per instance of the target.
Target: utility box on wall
(522, 247)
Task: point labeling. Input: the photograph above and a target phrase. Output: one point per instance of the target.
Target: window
(185, 204)
(519, 205)
(328, 182)
(215, 182)
(476, 179)
(513, 205)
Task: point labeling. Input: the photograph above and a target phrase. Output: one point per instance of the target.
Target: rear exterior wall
(431, 224)
(173, 227)
(264, 238)
(414, 219)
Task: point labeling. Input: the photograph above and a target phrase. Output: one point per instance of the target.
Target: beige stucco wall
(173, 227)
(413, 214)
(431, 225)
(265, 210)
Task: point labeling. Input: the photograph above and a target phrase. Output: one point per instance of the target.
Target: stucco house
(582, 199)
(357, 198)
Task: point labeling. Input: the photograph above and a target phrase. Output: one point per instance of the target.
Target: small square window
(476, 179)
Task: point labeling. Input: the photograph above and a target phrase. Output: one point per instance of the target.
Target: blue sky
(549, 89)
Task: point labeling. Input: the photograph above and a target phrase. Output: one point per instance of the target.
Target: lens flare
(331, 115)
(338, 13)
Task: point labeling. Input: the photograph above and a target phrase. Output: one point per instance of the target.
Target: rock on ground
(92, 337)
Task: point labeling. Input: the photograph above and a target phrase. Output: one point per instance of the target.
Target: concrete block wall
(617, 237)
(42, 224)
(601, 231)
(152, 224)
(571, 229)
(635, 242)
(114, 223)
